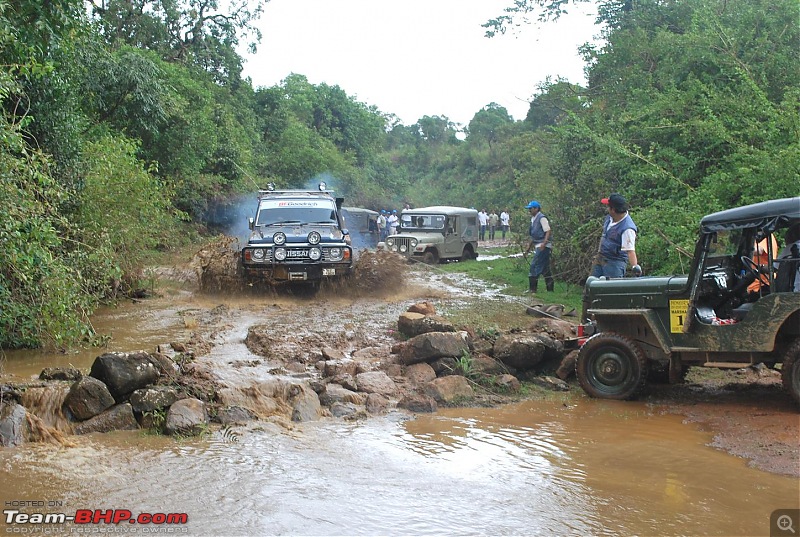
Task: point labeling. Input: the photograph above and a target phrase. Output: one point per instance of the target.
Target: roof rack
(322, 188)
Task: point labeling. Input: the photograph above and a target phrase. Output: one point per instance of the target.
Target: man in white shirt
(483, 221)
(505, 222)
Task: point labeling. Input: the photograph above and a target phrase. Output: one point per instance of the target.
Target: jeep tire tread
(430, 258)
(790, 370)
(611, 366)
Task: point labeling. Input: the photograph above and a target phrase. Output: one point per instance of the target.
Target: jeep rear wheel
(611, 366)
(790, 370)
(468, 254)
(430, 257)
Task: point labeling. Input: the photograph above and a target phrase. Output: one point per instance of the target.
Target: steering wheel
(750, 266)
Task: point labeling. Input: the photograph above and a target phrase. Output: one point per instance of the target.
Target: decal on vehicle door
(677, 315)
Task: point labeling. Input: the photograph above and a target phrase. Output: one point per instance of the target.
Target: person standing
(382, 225)
(494, 220)
(392, 222)
(542, 245)
(483, 221)
(618, 241)
(505, 222)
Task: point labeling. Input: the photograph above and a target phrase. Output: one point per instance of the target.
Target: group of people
(387, 223)
(617, 244)
(490, 223)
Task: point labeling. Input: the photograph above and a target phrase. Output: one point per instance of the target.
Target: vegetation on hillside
(122, 124)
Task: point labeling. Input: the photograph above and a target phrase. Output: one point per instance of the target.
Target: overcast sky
(415, 58)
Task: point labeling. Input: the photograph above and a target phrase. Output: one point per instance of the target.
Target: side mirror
(251, 223)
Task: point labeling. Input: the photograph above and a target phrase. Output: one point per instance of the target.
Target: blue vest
(536, 231)
(611, 241)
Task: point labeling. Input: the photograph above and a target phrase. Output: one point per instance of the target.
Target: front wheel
(430, 258)
(790, 370)
(611, 366)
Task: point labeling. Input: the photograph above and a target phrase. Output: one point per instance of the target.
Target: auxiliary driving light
(279, 238)
(280, 254)
(315, 254)
(314, 237)
(258, 254)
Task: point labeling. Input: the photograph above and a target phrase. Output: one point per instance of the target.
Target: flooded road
(566, 464)
(543, 468)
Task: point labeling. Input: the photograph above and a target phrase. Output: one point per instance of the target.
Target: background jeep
(297, 235)
(433, 234)
(706, 318)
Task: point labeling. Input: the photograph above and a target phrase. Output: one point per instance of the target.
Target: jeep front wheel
(790, 370)
(611, 366)
(430, 257)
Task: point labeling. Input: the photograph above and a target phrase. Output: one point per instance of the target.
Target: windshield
(278, 212)
(422, 221)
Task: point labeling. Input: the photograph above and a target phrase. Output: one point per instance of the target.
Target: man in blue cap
(542, 245)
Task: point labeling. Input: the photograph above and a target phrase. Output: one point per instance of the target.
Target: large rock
(153, 398)
(305, 403)
(416, 402)
(413, 324)
(187, 416)
(335, 393)
(334, 368)
(433, 345)
(448, 389)
(117, 418)
(60, 373)
(520, 351)
(376, 382)
(87, 398)
(419, 373)
(425, 308)
(555, 328)
(376, 403)
(12, 424)
(486, 365)
(125, 372)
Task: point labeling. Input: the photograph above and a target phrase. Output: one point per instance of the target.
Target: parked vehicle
(435, 234)
(664, 324)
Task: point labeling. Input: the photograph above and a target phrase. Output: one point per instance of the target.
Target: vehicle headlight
(414, 242)
(279, 238)
(315, 254)
(335, 254)
(314, 238)
(403, 248)
(389, 242)
(258, 254)
(280, 254)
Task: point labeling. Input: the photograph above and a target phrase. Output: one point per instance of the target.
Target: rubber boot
(533, 284)
(548, 280)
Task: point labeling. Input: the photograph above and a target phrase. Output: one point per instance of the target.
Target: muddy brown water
(572, 466)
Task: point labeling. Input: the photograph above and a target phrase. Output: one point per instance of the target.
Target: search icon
(785, 523)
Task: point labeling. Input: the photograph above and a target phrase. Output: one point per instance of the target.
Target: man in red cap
(618, 241)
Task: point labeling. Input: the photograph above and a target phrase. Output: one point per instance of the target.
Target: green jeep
(664, 324)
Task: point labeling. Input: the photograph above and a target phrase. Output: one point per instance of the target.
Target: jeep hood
(295, 233)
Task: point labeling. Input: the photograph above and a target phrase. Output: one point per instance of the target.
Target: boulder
(419, 373)
(508, 383)
(425, 308)
(187, 416)
(448, 389)
(12, 424)
(413, 324)
(486, 365)
(305, 403)
(551, 383)
(416, 402)
(376, 382)
(555, 328)
(87, 398)
(376, 403)
(125, 372)
(430, 346)
(153, 398)
(567, 367)
(334, 368)
(116, 418)
(520, 351)
(235, 415)
(445, 366)
(60, 373)
(335, 393)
